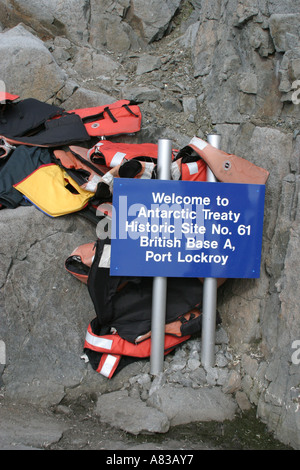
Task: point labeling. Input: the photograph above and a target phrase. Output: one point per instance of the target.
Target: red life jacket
(4, 96)
(189, 170)
(113, 154)
(121, 117)
(111, 157)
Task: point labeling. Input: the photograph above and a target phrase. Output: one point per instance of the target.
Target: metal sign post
(209, 292)
(159, 293)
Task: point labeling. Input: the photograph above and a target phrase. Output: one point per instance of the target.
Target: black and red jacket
(122, 326)
(33, 122)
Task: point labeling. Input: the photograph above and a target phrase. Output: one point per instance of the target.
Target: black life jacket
(123, 304)
(33, 122)
(121, 332)
(21, 163)
(28, 116)
(75, 162)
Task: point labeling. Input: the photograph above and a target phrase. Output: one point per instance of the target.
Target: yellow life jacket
(53, 191)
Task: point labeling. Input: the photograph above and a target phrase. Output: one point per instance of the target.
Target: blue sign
(186, 229)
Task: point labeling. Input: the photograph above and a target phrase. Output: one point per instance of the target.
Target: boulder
(130, 414)
(152, 19)
(26, 65)
(185, 405)
(49, 20)
(40, 326)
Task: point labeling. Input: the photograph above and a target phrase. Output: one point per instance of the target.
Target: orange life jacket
(4, 96)
(113, 154)
(80, 260)
(112, 348)
(83, 171)
(228, 168)
(121, 117)
(189, 170)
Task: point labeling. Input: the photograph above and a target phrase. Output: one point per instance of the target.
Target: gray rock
(221, 336)
(90, 64)
(282, 25)
(54, 19)
(23, 428)
(233, 383)
(186, 405)
(154, 17)
(248, 83)
(221, 360)
(33, 301)
(193, 364)
(189, 105)
(147, 63)
(172, 105)
(222, 376)
(83, 97)
(132, 415)
(242, 401)
(211, 375)
(198, 377)
(250, 365)
(141, 93)
(177, 365)
(32, 65)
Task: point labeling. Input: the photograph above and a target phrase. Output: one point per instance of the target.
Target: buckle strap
(5, 147)
(129, 110)
(112, 117)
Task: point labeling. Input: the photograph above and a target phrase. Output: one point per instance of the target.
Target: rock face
(230, 66)
(34, 60)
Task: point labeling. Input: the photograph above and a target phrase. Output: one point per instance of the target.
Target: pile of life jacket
(31, 132)
(63, 162)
